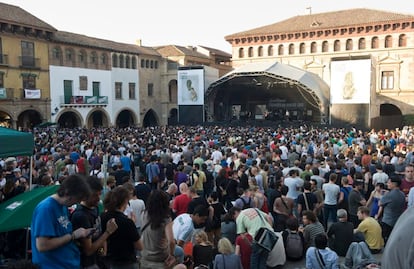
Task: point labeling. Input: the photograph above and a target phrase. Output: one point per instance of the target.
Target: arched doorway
(150, 119)
(173, 117)
(390, 117)
(69, 120)
(172, 91)
(98, 119)
(125, 119)
(29, 119)
(5, 120)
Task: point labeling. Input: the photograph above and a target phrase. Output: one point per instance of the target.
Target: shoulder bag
(265, 237)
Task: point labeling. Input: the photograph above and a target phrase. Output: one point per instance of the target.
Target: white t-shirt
(331, 191)
(183, 227)
(138, 207)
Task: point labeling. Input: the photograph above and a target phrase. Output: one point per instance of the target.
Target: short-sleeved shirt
(331, 191)
(310, 197)
(293, 184)
(50, 219)
(250, 221)
(121, 242)
(354, 201)
(183, 227)
(180, 204)
(372, 233)
(394, 205)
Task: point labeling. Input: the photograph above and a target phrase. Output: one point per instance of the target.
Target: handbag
(265, 237)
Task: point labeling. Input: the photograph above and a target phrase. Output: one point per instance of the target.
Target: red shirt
(245, 249)
(180, 204)
(406, 186)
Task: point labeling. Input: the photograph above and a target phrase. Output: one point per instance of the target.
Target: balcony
(29, 62)
(4, 59)
(84, 101)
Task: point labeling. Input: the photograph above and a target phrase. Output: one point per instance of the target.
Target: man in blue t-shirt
(53, 245)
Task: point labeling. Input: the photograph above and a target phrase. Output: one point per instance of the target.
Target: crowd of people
(160, 197)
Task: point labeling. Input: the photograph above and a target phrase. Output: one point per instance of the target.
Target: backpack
(294, 245)
(246, 204)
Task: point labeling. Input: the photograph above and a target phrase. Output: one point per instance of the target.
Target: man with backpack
(293, 240)
(245, 201)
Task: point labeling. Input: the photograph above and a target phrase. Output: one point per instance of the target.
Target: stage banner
(32, 93)
(190, 86)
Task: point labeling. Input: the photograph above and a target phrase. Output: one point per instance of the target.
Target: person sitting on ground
(293, 240)
(228, 225)
(312, 228)
(227, 258)
(371, 230)
(320, 256)
(341, 233)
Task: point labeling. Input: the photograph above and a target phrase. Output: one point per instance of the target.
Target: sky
(183, 22)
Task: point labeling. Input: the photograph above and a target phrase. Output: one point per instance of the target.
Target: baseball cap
(17, 170)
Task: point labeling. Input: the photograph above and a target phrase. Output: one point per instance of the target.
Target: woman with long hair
(122, 244)
(157, 233)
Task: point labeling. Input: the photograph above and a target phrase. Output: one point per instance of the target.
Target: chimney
(139, 42)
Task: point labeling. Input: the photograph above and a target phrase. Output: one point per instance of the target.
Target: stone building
(376, 47)
(24, 68)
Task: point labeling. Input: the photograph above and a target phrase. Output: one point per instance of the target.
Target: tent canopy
(15, 143)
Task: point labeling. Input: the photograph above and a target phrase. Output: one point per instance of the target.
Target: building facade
(24, 68)
(326, 42)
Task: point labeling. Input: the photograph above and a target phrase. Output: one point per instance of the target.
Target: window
(131, 88)
(374, 43)
(121, 61)
(134, 62)
(1, 79)
(325, 46)
(250, 52)
(151, 64)
(280, 50)
(2, 57)
(118, 90)
(83, 83)
(270, 50)
(147, 63)
(291, 49)
(93, 58)
(142, 63)
(313, 47)
(127, 62)
(28, 54)
(388, 41)
(150, 89)
(156, 64)
(69, 55)
(349, 45)
(387, 80)
(337, 45)
(29, 81)
(114, 60)
(302, 48)
(260, 51)
(103, 59)
(361, 43)
(402, 40)
(96, 86)
(241, 53)
(82, 57)
(56, 53)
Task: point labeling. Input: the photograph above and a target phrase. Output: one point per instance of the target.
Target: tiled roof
(217, 52)
(83, 40)
(324, 21)
(16, 15)
(174, 50)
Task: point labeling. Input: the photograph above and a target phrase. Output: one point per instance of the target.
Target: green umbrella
(17, 212)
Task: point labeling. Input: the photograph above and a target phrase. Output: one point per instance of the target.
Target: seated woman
(227, 258)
